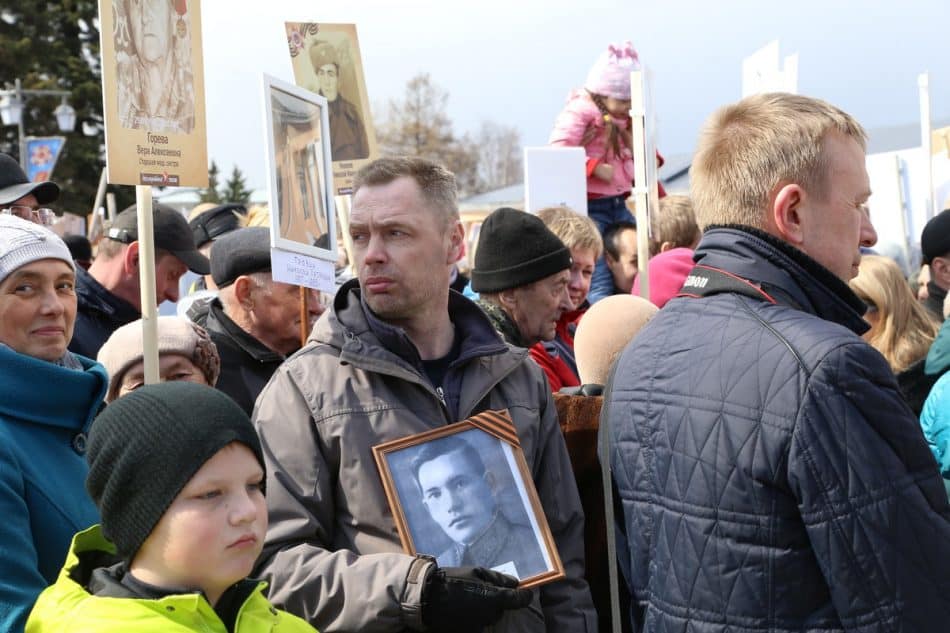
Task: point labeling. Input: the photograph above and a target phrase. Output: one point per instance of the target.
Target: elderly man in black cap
(110, 294)
(522, 271)
(935, 247)
(208, 222)
(22, 198)
(255, 321)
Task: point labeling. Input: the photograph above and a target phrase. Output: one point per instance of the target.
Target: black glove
(462, 599)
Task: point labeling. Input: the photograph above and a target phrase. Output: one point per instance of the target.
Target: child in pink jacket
(596, 117)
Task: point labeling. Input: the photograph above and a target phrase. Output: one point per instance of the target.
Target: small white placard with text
(301, 270)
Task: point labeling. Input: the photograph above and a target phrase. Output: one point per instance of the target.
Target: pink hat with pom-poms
(610, 75)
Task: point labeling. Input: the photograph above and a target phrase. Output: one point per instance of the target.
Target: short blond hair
(257, 215)
(576, 231)
(549, 214)
(749, 148)
(436, 183)
(675, 223)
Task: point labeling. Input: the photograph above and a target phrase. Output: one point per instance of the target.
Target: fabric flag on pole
(42, 153)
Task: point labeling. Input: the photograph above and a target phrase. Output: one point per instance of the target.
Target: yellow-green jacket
(67, 605)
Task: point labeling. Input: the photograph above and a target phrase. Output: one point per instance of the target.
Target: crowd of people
(775, 417)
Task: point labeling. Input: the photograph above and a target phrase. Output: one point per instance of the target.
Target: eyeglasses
(42, 215)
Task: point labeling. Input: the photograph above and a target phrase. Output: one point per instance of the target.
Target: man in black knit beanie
(521, 272)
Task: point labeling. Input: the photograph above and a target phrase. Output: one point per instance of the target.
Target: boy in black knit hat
(177, 473)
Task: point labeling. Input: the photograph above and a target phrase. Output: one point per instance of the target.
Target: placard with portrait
(153, 92)
(326, 60)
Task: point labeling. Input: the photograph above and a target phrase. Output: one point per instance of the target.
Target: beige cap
(604, 331)
(176, 335)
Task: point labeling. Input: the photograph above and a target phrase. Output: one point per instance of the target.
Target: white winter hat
(22, 242)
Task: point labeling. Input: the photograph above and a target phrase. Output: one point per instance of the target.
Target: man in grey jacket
(397, 355)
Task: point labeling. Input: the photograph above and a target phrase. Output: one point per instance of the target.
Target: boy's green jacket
(68, 606)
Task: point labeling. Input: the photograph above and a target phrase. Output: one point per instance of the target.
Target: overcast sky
(514, 61)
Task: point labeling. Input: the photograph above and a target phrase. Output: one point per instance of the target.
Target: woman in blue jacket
(50, 397)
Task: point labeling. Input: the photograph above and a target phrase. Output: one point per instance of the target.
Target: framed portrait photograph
(463, 494)
(299, 170)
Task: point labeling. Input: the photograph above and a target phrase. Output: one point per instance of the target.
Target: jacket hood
(91, 595)
(367, 342)
(78, 394)
(938, 358)
(784, 272)
(349, 317)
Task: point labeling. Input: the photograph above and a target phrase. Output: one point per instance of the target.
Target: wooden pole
(110, 206)
(97, 203)
(304, 316)
(146, 243)
(342, 206)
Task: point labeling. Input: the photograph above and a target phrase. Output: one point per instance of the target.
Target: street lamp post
(13, 104)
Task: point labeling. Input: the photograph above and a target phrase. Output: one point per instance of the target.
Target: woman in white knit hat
(49, 399)
(185, 352)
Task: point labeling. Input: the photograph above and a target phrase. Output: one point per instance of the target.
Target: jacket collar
(78, 393)
(503, 323)
(93, 295)
(935, 291)
(218, 321)
(783, 271)
(94, 569)
(351, 317)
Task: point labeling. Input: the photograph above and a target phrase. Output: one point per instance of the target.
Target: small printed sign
(303, 270)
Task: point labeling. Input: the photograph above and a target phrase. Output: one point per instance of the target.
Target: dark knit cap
(240, 252)
(515, 249)
(146, 446)
(935, 238)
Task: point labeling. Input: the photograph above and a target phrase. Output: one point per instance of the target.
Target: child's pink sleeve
(572, 122)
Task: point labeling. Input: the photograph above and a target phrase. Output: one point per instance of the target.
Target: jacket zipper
(441, 394)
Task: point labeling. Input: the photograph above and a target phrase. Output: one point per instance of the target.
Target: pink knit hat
(610, 75)
(668, 271)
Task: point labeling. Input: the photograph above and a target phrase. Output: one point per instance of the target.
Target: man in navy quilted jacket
(770, 475)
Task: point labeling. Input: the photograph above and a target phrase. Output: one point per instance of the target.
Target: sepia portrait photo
(326, 61)
(298, 161)
(153, 65)
(460, 494)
